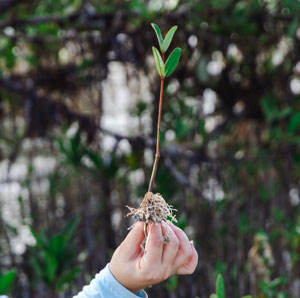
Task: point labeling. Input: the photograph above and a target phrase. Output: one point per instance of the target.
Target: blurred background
(78, 109)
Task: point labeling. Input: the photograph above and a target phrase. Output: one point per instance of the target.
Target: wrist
(121, 280)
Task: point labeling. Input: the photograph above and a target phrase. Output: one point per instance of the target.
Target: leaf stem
(157, 153)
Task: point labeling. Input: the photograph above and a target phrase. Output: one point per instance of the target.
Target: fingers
(191, 264)
(187, 256)
(154, 246)
(177, 256)
(131, 244)
(185, 249)
(170, 248)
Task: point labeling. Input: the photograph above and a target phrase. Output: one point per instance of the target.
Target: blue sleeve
(105, 285)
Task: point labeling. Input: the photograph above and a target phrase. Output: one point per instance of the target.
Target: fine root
(153, 209)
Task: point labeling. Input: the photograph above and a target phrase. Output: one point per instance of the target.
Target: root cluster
(153, 208)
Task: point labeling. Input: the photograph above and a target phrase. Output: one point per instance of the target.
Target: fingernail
(170, 223)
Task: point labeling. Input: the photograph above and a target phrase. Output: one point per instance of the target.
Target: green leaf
(57, 246)
(50, 267)
(182, 130)
(70, 228)
(67, 277)
(247, 296)
(213, 296)
(220, 288)
(172, 61)
(96, 159)
(9, 55)
(272, 111)
(36, 267)
(158, 34)
(6, 281)
(158, 62)
(292, 28)
(40, 241)
(294, 123)
(168, 38)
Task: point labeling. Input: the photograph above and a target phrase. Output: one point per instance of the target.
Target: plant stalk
(157, 152)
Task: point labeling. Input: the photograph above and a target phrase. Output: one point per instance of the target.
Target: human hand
(136, 268)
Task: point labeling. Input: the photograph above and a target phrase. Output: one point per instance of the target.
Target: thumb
(132, 243)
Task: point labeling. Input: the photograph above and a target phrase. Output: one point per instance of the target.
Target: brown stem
(157, 153)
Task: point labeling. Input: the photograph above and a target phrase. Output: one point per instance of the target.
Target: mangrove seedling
(154, 209)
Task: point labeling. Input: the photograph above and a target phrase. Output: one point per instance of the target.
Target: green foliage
(158, 34)
(294, 124)
(171, 284)
(75, 151)
(244, 225)
(7, 52)
(164, 43)
(60, 7)
(273, 289)
(241, 55)
(6, 281)
(220, 289)
(165, 69)
(272, 111)
(67, 277)
(172, 61)
(160, 66)
(72, 148)
(52, 257)
(276, 116)
(107, 167)
(168, 39)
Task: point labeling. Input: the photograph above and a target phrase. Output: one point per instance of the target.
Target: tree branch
(8, 4)
(42, 112)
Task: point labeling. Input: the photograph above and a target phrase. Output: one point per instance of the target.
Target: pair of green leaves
(164, 43)
(165, 69)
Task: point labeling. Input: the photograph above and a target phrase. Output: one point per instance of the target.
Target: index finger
(154, 246)
(132, 243)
